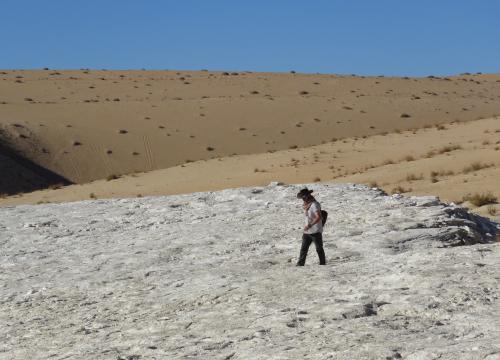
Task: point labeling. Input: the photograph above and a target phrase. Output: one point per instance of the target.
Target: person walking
(313, 229)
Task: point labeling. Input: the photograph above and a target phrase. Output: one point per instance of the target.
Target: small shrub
(388, 162)
(303, 92)
(409, 158)
(122, 131)
(77, 143)
(492, 210)
(317, 179)
(476, 166)
(449, 148)
(254, 92)
(478, 199)
(293, 147)
(112, 177)
(400, 190)
(413, 177)
(209, 148)
(55, 186)
(405, 115)
(440, 127)
(430, 154)
(92, 196)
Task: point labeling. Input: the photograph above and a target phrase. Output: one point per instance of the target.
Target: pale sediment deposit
(211, 276)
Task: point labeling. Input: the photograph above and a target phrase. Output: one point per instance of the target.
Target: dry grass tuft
(55, 186)
(492, 210)
(478, 199)
(413, 177)
(476, 166)
(400, 190)
(449, 148)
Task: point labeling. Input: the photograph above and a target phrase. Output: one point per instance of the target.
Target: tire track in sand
(149, 154)
(100, 153)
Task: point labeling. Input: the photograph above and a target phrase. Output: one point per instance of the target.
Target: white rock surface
(212, 276)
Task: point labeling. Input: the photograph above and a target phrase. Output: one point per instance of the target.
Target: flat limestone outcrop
(211, 276)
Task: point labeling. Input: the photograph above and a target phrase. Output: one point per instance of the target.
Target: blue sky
(370, 37)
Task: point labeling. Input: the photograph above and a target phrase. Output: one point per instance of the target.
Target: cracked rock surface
(212, 276)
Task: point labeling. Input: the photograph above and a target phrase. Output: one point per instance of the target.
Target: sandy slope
(448, 151)
(86, 125)
(212, 276)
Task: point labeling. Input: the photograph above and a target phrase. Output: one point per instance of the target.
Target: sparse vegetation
(491, 210)
(449, 148)
(55, 186)
(476, 166)
(112, 177)
(413, 177)
(400, 190)
(480, 199)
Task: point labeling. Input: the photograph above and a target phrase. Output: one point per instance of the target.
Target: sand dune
(439, 160)
(91, 124)
(245, 129)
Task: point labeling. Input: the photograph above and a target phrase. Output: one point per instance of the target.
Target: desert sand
(139, 133)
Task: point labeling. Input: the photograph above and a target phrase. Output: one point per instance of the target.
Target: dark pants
(307, 239)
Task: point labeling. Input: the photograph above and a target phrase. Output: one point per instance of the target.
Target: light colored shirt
(310, 215)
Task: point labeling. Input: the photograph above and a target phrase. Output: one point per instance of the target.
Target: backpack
(324, 216)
